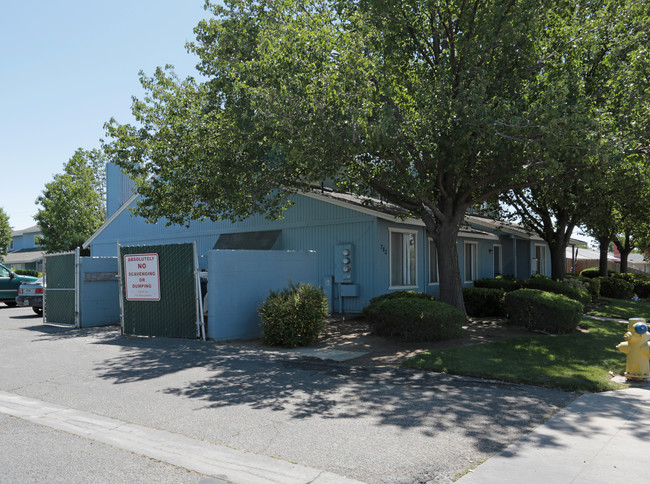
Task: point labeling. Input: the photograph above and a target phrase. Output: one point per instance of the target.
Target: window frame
(494, 249)
(404, 257)
(540, 268)
(474, 262)
(431, 245)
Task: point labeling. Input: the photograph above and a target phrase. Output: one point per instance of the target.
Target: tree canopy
(432, 105)
(5, 232)
(72, 205)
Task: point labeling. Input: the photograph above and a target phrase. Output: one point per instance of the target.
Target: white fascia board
(117, 213)
(467, 234)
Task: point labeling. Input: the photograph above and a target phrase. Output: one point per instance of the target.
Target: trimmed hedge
(616, 287)
(506, 283)
(415, 319)
(294, 316)
(557, 287)
(398, 295)
(26, 272)
(595, 272)
(484, 302)
(545, 311)
(402, 295)
(641, 283)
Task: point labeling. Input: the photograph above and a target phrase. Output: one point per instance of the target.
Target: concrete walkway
(599, 438)
(222, 463)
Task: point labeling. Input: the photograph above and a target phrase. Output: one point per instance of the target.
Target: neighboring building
(386, 253)
(24, 252)
(579, 259)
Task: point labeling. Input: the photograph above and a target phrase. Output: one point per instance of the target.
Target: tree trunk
(624, 255)
(625, 249)
(602, 262)
(558, 260)
(451, 288)
(445, 235)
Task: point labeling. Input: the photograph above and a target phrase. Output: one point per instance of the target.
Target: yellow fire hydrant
(637, 348)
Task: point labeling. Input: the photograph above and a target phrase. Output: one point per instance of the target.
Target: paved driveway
(375, 425)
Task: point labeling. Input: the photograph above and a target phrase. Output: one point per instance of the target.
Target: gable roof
(28, 230)
(380, 209)
(510, 228)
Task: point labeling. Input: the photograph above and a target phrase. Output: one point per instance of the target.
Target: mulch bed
(352, 334)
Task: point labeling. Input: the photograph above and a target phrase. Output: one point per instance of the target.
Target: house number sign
(142, 277)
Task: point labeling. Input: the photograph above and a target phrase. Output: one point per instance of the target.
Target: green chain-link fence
(60, 278)
(170, 287)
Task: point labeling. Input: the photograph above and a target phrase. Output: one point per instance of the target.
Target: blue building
(24, 252)
(362, 247)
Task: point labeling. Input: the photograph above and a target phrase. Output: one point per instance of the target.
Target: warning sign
(141, 277)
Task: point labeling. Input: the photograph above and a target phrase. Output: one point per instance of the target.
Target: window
(496, 260)
(403, 259)
(540, 260)
(433, 263)
(470, 261)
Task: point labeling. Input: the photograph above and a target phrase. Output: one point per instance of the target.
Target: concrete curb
(217, 461)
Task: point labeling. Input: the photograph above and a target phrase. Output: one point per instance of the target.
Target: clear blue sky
(67, 67)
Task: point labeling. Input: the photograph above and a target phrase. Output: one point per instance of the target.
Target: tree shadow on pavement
(490, 413)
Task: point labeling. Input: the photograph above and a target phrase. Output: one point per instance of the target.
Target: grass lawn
(573, 362)
(622, 308)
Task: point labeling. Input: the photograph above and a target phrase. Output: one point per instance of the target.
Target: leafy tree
(5, 232)
(600, 71)
(73, 203)
(435, 106)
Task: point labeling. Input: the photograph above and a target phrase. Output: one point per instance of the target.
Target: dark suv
(9, 284)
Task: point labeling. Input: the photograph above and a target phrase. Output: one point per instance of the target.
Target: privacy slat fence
(61, 304)
(160, 291)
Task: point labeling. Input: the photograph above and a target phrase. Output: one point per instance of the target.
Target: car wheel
(38, 311)
(11, 304)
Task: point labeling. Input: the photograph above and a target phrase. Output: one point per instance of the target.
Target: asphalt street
(374, 425)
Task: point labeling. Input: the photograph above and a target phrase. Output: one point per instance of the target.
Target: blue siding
(523, 258)
(308, 225)
(323, 226)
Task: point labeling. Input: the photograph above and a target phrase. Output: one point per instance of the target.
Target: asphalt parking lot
(376, 425)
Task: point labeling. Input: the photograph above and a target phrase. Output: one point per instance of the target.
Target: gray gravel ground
(375, 425)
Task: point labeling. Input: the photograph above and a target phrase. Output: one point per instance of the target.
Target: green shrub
(415, 319)
(483, 301)
(401, 295)
(545, 311)
(294, 316)
(26, 272)
(595, 272)
(591, 286)
(641, 283)
(557, 287)
(398, 295)
(616, 287)
(500, 282)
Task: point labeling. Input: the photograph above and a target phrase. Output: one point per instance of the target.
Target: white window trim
(542, 268)
(390, 258)
(494, 269)
(474, 262)
(436, 283)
